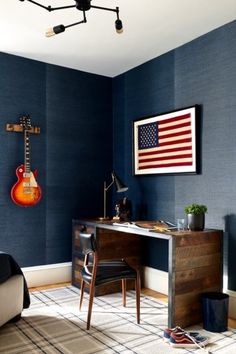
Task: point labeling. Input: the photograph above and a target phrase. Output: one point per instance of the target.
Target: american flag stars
(148, 135)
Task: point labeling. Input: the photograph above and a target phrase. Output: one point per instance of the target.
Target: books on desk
(159, 225)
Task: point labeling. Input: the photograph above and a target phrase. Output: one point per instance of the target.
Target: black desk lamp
(120, 187)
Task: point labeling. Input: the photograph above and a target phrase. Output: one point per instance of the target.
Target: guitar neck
(27, 151)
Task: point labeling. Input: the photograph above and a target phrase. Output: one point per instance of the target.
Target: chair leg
(91, 296)
(124, 292)
(81, 293)
(138, 291)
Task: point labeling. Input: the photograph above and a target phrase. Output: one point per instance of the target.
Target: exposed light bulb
(119, 26)
(50, 32)
(55, 30)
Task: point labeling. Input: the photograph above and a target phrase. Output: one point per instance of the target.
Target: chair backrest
(89, 249)
(87, 243)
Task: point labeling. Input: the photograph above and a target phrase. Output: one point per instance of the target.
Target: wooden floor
(155, 294)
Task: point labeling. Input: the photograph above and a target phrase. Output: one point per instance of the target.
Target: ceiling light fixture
(82, 5)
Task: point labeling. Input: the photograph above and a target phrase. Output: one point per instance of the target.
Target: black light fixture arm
(116, 10)
(77, 23)
(50, 8)
(104, 8)
(61, 28)
(82, 5)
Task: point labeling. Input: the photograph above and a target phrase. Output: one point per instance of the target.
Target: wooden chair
(95, 273)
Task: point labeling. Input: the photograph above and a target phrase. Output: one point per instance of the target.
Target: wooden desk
(194, 262)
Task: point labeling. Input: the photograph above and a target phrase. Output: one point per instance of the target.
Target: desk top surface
(144, 228)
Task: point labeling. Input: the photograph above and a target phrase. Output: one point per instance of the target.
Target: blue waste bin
(215, 311)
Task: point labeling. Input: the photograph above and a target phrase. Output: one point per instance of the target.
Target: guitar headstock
(25, 121)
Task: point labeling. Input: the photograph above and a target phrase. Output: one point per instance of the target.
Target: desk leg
(195, 267)
(171, 282)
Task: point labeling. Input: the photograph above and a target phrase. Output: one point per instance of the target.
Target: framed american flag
(166, 143)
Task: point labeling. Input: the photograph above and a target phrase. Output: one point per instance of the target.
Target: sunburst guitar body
(26, 191)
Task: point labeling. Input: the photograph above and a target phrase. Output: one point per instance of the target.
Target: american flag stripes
(166, 143)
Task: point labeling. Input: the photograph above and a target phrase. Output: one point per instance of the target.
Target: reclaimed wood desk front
(194, 262)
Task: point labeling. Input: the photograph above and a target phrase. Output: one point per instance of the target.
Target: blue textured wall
(76, 145)
(22, 91)
(73, 154)
(201, 72)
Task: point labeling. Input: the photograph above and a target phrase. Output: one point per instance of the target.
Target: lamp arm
(106, 188)
(104, 201)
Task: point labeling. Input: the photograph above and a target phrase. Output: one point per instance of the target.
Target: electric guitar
(26, 191)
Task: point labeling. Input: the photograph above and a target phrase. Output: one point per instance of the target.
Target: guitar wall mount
(17, 128)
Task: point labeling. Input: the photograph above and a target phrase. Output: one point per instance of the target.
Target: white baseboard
(155, 279)
(60, 273)
(47, 274)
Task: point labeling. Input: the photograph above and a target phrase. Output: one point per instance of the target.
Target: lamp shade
(120, 186)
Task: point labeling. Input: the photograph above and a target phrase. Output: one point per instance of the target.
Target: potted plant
(195, 216)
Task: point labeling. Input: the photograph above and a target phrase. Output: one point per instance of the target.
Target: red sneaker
(186, 341)
(177, 331)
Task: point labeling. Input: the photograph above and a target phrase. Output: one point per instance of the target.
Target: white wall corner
(48, 274)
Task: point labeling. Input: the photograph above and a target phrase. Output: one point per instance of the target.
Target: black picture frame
(166, 143)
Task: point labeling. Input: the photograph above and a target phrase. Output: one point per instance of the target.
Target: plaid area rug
(53, 324)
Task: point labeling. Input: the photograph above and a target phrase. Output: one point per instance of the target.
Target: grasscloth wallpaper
(201, 72)
(86, 131)
(74, 112)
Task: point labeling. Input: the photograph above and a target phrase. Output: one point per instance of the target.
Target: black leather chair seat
(109, 272)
